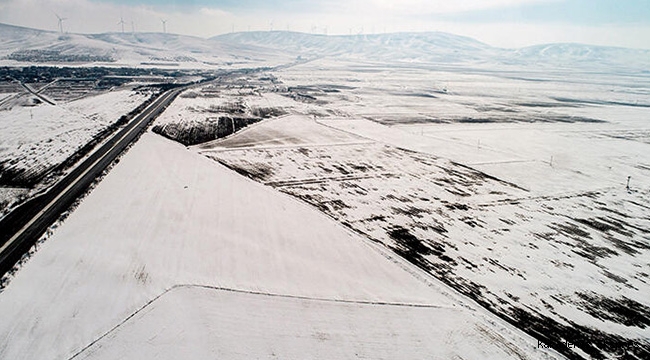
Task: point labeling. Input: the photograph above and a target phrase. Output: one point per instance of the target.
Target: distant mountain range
(20, 46)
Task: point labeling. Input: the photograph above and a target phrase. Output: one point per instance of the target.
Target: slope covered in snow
(541, 261)
(521, 207)
(586, 57)
(422, 47)
(22, 45)
(444, 48)
(545, 233)
(19, 45)
(38, 142)
(192, 246)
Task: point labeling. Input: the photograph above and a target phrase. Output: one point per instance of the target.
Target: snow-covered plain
(207, 323)
(545, 233)
(195, 260)
(457, 171)
(284, 131)
(491, 240)
(196, 105)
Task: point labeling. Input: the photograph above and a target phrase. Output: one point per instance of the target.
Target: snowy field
(35, 139)
(210, 112)
(527, 213)
(540, 260)
(407, 211)
(206, 323)
(446, 94)
(227, 268)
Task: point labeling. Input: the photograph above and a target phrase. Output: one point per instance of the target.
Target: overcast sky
(504, 23)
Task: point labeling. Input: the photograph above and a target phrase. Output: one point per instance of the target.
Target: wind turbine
(121, 23)
(60, 22)
(164, 24)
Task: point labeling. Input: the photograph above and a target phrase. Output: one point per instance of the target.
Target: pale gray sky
(505, 23)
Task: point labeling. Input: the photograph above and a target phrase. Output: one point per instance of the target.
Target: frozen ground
(195, 260)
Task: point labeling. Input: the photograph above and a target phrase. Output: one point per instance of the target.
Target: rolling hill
(23, 45)
(19, 46)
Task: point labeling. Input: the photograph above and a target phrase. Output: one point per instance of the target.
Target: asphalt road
(20, 229)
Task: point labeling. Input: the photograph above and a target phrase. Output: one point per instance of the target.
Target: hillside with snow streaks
(445, 48)
(210, 269)
(409, 195)
(19, 46)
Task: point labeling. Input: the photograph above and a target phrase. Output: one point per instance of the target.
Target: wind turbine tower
(164, 24)
(121, 23)
(60, 22)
